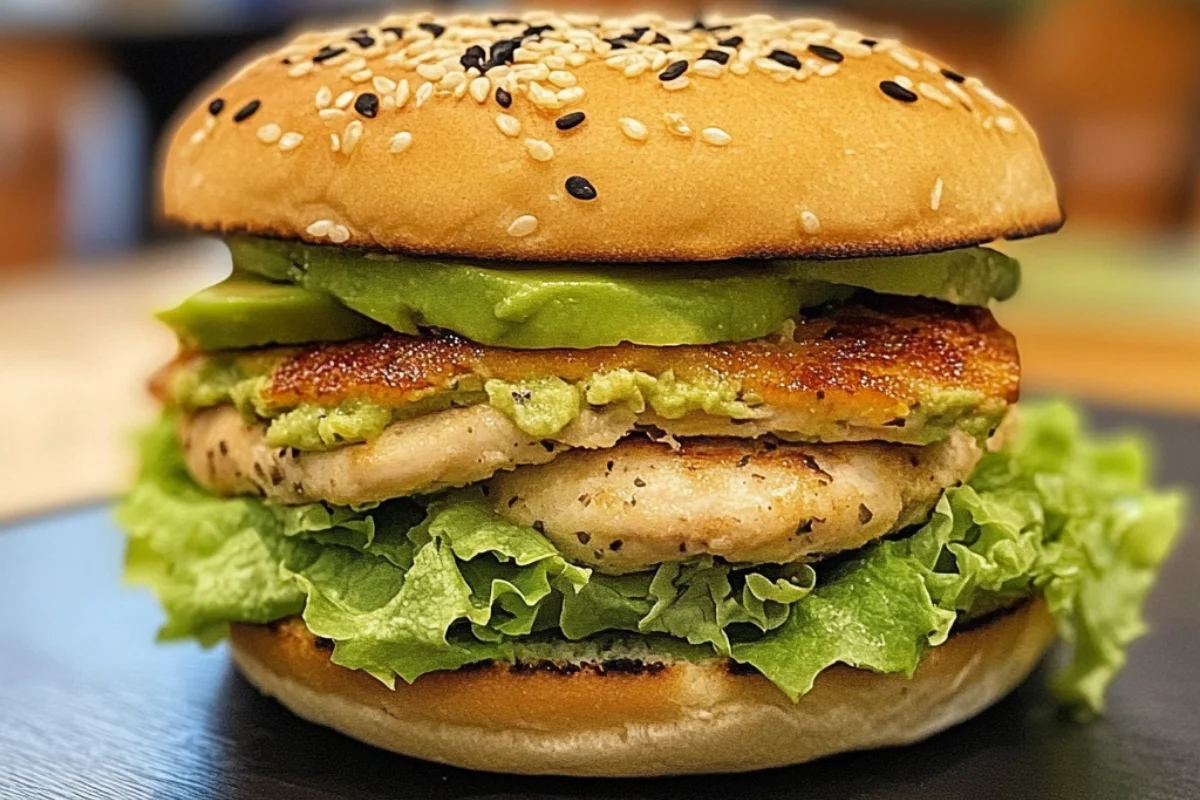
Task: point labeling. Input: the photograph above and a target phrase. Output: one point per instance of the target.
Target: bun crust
(837, 158)
(634, 719)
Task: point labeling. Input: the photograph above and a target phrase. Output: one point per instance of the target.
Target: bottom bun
(626, 717)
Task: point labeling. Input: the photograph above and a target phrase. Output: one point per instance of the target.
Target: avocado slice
(968, 277)
(246, 310)
(542, 306)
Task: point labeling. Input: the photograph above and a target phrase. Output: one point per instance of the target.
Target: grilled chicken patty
(643, 503)
(891, 369)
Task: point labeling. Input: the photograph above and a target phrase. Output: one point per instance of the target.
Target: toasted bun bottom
(628, 718)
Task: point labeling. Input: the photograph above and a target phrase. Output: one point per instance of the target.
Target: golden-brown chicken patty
(892, 369)
(643, 503)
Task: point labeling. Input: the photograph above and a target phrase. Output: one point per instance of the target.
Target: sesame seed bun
(608, 140)
(631, 718)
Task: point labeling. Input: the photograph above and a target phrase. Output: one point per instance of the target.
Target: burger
(621, 397)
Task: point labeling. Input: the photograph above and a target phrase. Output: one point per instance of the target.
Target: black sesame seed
(718, 28)
(247, 111)
(473, 57)
(568, 121)
(719, 56)
(827, 53)
(636, 34)
(537, 30)
(367, 104)
(869, 42)
(216, 107)
(327, 52)
(952, 75)
(785, 58)
(432, 27)
(580, 188)
(498, 21)
(732, 41)
(503, 97)
(362, 40)
(617, 44)
(673, 71)
(660, 39)
(698, 25)
(502, 53)
(398, 31)
(897, 92)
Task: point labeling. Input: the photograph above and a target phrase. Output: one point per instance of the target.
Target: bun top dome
(563, 137)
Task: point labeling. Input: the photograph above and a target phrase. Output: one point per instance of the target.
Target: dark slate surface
(90, 707)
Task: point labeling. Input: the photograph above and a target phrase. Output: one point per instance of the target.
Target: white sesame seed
(1006, 124)
(199, 136)
(677, 125)
(351, 136)
(715, 137)
(523, 225)
(809, 221)
(935, 94)
(956, 90)
(388, 102)
(539, 150)
(453, 80)
(290, 141)
(383, 85)
(707, 68)
(770, 65)
(990, 96)
(335, 142)
(675, 84)
(827, 70)
(331, 113)
(344, 99)
(570, 95)
(424, 92)
(856, 50)
(431, 72)
(362, 76)
(339, 234)
(524, 55)
(903, 81)
(508, 125)
(481, 87)
(352, 66)
(319, 228)
(402, 93)
(738, 68)
(902, 57)
(935, 196)
(633, 129)
(324, 97)
(555, 62)
(301, 69)
(562, 79)
(658, 60)
(543, 97)
(636, 67)
(577, 59)
(269, 133)
(400, 142)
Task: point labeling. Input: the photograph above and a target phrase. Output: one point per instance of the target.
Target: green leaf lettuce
(405, 588)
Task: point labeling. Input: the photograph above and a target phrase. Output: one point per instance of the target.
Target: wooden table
(77, 345)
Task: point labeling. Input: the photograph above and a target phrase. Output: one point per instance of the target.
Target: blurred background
(1109, 313)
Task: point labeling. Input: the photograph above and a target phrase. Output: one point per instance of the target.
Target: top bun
(547, 137)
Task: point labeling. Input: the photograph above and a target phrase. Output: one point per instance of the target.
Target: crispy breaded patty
(643, 503)
(893, 369)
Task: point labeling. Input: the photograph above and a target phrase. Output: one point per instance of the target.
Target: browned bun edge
(630, 718)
